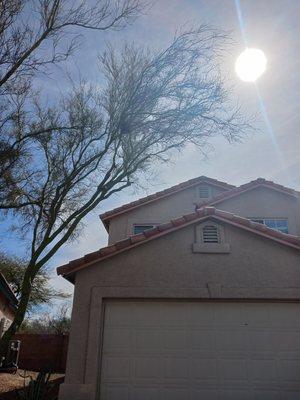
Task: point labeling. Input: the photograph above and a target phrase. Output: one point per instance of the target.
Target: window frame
(264, 219)
(153, 225)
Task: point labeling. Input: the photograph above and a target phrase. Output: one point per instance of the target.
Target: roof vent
(210, 234)
(204, 192)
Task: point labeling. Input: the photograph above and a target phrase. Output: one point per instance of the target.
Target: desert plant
(39, 388)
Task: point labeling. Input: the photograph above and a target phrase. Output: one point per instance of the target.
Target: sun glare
(250, 64)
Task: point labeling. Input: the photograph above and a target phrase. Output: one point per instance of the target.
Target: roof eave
(164, 229)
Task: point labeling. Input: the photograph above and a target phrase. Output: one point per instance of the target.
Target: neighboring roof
(259, 182)
(105, 217)
(68, 270)
(6, 290)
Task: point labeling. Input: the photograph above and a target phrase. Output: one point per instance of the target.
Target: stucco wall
(157, 212)
(255, 268)
(265, 203)
(260, 202)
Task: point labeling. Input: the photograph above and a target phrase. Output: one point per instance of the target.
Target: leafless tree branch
(102, 140)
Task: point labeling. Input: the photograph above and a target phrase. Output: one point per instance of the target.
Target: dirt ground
(11, 384)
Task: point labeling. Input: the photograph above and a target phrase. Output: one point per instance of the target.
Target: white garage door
(200, 350)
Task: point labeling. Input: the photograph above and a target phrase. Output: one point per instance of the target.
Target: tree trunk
(20, 312)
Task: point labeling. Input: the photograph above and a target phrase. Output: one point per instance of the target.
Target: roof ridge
(162, 193)
(174, 224)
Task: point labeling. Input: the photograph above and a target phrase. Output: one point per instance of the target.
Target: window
(141, 228)
(210, 234)
(204, 192)
(280, 225)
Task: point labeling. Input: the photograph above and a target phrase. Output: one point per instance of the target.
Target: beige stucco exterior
(263, 202)
(256, 268)
(157, 212)
(260, 202)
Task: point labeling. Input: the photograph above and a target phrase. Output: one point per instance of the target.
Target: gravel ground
(10, 383)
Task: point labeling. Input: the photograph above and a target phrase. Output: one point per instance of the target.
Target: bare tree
(58, 324)
(13, 268)
(150, 105)
(26, 25)
(35, 35)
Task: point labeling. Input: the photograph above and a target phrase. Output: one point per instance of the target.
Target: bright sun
(251, 64)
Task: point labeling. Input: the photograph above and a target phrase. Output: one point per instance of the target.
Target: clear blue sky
(273, 152)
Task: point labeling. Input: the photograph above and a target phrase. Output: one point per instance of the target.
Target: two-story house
(195, 297)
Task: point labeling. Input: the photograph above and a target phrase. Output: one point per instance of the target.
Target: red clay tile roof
(105, 217)
(248, 186)
(68, 270)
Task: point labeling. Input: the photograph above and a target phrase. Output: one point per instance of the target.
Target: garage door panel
(175, 339)
(263, 341)
(153, 313)
(144, 393)
(200, 350)
(289, 371)
(233, 369)
(201, 340)
(207, 394)
(148, 339)
(234, 394)
(115, 392)
(284, 314)
(255, 313)
(148, 368)
(204, 369)
(198, 317)
(117, 315)
(176, 368)
(263, 394)
(116, 368)
(233, 317)
(288, 341)
(262, 370)
(118, 338)
(171, 314)
(231, 340)
(174, 393)
(289, 395)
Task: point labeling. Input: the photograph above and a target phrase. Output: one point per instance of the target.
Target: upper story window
(204, 192)
(141, 228)
(280, 225)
